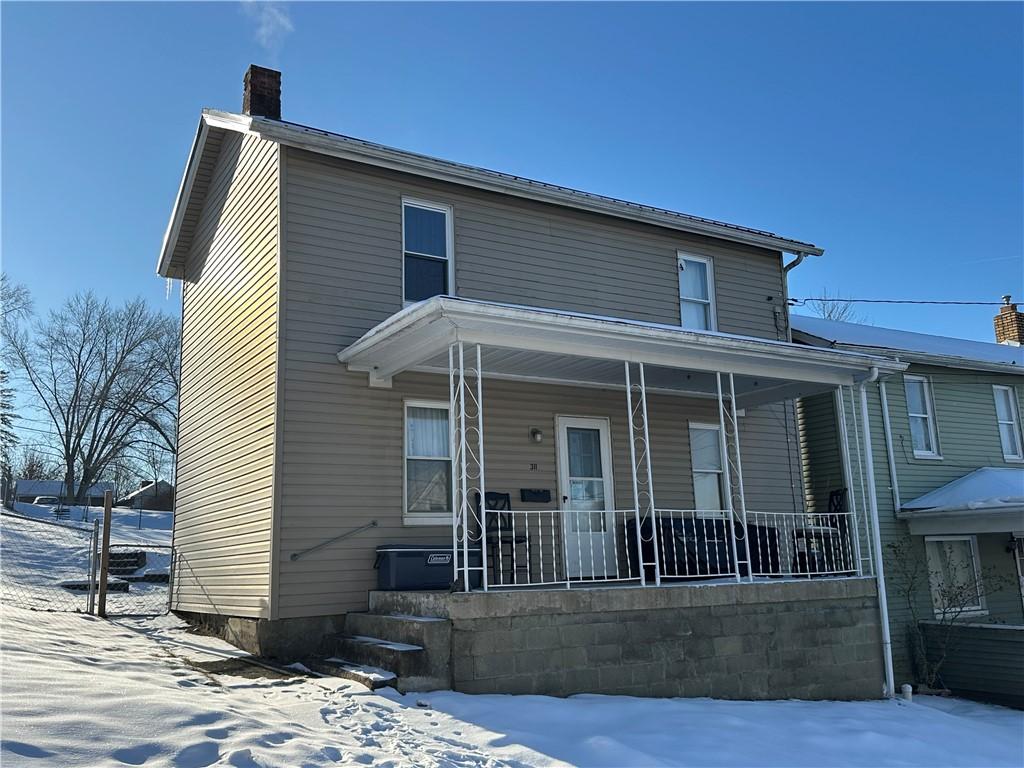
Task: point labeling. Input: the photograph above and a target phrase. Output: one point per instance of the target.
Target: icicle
(167, 291)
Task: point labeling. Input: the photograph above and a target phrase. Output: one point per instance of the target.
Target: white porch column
(465, 417)
(723, 448)
(640, 465)
(883, 603)
(844, 455)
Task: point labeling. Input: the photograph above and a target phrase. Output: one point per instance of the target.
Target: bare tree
(831, 306)
(912, 580)
(15, 300)
(32, 463)
(93, 369)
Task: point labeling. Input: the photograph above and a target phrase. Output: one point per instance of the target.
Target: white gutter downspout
(883, 603)
(887, 428)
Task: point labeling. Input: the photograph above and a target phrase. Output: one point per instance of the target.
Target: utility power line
(837, 300)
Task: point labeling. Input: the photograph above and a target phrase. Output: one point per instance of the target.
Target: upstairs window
(427, 250)
(1008, 418)
(696, 292)
(921, 412)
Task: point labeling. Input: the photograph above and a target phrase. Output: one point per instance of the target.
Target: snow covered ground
(39, 553)
(127, 526)
(80, 691)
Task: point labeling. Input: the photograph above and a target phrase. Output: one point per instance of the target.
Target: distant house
(952, 490)
(157, 495)
(28, 490)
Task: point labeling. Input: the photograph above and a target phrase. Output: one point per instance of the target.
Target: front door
(587, 496)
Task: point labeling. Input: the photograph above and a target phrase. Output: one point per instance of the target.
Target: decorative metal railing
(575, 547)
(645, 543)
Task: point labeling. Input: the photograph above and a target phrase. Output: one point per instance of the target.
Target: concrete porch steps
(416, 649)
(370, 676)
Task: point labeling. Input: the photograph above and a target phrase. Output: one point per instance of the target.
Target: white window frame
(929, 404)
(1014, 423)
(682, 256)
(982, 608)
(696, 425)
(422, 518)
(449, 256)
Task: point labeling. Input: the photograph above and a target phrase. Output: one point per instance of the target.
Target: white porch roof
(987, 500)
(554, 346)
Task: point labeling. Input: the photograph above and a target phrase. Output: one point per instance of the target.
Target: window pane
(1008, 436)
(916, 397)
(693, 279)
(584, 453)
(695, 315)
(707, 491)
(920, 436)
(705, 449)
(425, 278)
(951, 572)
(425, 231)
(429, 485)
(427, 432)
(586, 494)
(1003, 409)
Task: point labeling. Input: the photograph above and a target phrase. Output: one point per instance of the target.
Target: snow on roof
(984, 488)
(858, 335)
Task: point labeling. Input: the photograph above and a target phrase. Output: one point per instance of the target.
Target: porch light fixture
(536, 435)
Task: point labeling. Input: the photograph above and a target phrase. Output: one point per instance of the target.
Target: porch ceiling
(560, 347)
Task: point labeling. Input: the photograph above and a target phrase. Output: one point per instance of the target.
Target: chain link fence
(54, 565)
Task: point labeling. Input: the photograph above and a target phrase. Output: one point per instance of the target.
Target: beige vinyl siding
(226, 432)
(342, 446)
(508, 250)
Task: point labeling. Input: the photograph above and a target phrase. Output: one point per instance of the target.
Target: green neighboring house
(949, 482)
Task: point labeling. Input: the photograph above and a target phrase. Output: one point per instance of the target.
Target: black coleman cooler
(420, 566)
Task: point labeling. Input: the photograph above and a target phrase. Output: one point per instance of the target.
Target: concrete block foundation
(807, 639)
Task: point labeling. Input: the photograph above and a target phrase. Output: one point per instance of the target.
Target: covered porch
(511, 535)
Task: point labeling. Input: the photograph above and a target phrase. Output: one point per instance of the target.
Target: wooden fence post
(108, 503)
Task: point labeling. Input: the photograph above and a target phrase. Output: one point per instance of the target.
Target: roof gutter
(800, 256)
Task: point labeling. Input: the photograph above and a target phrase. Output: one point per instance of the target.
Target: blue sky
(890, 134)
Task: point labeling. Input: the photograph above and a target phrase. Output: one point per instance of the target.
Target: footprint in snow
(136, 755)
(242, 758)
(23, 750)
(197, 755)
(217, 733)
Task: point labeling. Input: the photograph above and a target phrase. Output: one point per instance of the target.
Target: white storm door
(587, 496)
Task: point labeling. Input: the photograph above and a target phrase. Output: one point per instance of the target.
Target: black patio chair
(501, 535)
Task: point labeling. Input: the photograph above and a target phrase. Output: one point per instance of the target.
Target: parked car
(46, 500)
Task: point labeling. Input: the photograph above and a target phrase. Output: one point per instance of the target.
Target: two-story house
(576, 407)
(950, 495)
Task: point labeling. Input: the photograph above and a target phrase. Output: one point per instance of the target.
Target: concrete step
(425, 631)
(370, 676)
(123, 563)
(415, 667)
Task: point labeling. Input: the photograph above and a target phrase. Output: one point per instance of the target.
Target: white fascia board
(965, 521)
(347, 148)
(424, 330)
(181, 201)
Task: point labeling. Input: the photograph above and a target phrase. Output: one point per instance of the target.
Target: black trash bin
(420, 566)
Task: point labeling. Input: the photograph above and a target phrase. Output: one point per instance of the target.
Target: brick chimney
(262, 94)
(1009, 324)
